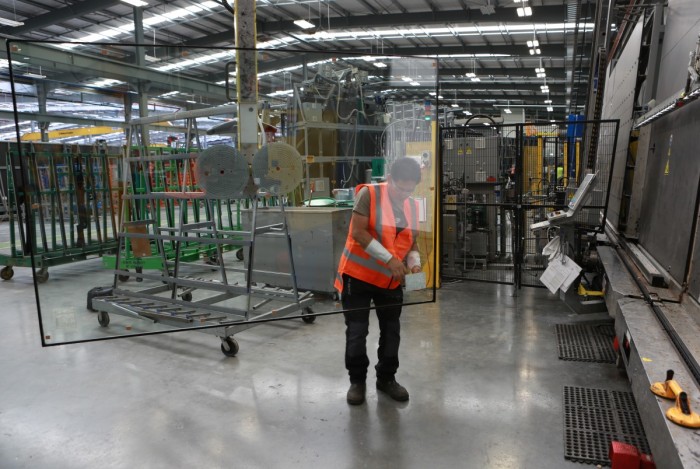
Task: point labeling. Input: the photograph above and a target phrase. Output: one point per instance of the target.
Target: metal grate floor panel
(586, 342)
(593, 418)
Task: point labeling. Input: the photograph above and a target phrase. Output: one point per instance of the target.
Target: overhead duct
(573, 15)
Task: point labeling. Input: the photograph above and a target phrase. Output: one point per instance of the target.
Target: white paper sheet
(560, 274)
(415, 281)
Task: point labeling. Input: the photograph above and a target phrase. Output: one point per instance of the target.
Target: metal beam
(48, 117)
(544, 14)
(512, 72)
(57, 16)
(52, 58)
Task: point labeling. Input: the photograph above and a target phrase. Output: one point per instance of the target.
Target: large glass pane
(157, 190)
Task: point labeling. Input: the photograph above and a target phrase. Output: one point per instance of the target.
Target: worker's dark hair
(405, 169)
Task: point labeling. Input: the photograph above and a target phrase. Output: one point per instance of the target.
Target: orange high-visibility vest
(356, 263)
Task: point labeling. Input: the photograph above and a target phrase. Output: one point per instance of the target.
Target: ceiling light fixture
(550, 109)
(136, 3)
(524, 11)
(487, 9)
(33, 75)
(534, 46)
(472, 75)
(7, 22)
(303, 24)
(540, 71)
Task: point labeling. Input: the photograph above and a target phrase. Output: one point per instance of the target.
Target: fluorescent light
(476, 79)
(534, 43)
(527, 11)
(487, 9)
(454, 105)
(541, 75)
(539, 70)
(470, 75)
(380, 64)
(414, 83)
(550, 108)
(303, 24)
(507, 111)
(136, 3)
(548, 101)
(33, 75)
(408, 79)
(467, 113)
(7, 22)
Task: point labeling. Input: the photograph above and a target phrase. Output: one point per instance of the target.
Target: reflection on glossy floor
(481, 367)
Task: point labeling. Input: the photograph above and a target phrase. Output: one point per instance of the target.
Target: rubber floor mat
(595, 417)
(586, 342)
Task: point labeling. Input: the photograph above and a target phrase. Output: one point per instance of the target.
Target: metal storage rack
(71, 201)
(172, 301)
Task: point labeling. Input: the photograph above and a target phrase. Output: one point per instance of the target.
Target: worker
(379, 251)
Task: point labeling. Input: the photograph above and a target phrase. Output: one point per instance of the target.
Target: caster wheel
(123, 278)
(96, 293)
(239, 254)
(103, 319)
(335, 296)
(7, 272)
(139, 270)
(229, 347)
(308, 319)
(42, 275)
(186, 296)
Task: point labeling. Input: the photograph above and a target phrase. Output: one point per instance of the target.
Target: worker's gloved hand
(415, 269)
(398, 269)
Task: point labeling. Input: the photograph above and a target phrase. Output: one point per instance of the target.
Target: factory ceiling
(486, 38)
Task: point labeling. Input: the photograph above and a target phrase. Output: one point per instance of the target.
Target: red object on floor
(616, 344)
(623, 456)
(647, 462)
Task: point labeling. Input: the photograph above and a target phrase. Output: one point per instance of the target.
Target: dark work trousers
(358, 294)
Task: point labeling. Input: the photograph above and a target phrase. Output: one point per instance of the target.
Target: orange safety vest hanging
(356, 263)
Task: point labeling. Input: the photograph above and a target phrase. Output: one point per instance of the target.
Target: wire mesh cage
(500, 180)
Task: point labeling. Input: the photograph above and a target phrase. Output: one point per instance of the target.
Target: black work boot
(356, 393)
(393, 389)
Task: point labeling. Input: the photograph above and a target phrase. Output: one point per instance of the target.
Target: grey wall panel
(681, 34)
(694, 281)
(640, 172)
(669, 200)
(619, 104)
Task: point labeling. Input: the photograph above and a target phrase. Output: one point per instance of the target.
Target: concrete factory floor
(481, 367)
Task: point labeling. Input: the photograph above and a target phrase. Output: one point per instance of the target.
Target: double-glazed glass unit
(133, 192)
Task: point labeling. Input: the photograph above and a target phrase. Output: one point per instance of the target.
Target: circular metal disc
(277, 167)
(221, 172)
